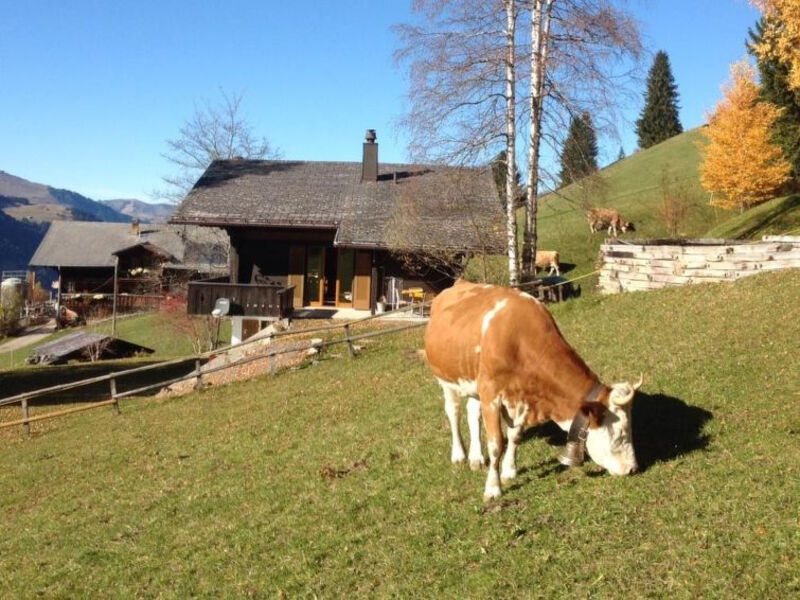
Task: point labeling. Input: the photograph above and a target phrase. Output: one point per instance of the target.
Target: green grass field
(334, 480)
(151, 330)
(781, 215)
(633, 186)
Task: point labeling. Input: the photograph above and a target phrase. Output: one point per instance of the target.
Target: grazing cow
(548, 259)
(600, 218)
(502, 350)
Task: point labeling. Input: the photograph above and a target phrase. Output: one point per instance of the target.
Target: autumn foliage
(782, 35)
(741, 165)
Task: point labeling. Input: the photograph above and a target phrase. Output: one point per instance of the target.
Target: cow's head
(627, 226)
(610, 441)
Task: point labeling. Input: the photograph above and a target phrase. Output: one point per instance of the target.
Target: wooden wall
(649, 265)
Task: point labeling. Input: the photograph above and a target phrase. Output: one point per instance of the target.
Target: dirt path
(31, 336)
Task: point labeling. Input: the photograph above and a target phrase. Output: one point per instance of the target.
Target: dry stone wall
(653, 264)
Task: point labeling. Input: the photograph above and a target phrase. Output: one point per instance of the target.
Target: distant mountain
(18, 239)
(26, 210)
(144, 211)
(46, 203)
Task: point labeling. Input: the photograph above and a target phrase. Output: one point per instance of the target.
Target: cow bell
(573, 454)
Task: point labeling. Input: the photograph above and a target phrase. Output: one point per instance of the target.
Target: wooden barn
(150, 258)
(339, 234)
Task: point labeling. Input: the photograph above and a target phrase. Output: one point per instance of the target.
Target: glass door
(315, 275)
(345, 271)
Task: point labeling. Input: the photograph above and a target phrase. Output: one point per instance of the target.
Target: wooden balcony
(246, 299)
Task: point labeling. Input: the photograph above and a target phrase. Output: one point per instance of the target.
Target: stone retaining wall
(653, 264)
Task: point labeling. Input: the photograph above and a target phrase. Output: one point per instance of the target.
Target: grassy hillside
(632, 186)
(334, 480)
(150, 330)
(781, 215)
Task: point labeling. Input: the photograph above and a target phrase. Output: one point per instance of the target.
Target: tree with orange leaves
(781, 40)
(741, 165)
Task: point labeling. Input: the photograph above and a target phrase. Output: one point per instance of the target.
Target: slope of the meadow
(777, 216)
(633, 186)
(334, 480)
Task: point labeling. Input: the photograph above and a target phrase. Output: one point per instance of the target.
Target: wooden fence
(198, 372)
(653, 264)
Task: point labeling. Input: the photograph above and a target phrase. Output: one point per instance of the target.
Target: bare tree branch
(214, 131)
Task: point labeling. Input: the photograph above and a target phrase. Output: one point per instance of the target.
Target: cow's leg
(490, 410)
(476, 461)
(452, 409)
(509, 470)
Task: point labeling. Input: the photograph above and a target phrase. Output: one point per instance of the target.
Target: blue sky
(90, 91)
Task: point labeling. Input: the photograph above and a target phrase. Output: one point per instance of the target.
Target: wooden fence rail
(197, 373)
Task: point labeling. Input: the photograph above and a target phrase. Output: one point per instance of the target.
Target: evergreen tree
(775, 89)
(621, 154)
(579, 155)
(499, 172)
(659, 120)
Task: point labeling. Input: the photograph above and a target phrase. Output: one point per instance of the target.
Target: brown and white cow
(548, 259)
(501, 349)
(601, 218)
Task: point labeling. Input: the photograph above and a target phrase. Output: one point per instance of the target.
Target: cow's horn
(639, 383)
(624, 399)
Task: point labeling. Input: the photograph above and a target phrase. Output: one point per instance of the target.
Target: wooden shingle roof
(93, 244)
(409, 206)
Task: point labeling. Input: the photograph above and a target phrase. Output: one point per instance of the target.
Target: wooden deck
(246, 299)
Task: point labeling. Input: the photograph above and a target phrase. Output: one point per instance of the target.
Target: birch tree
(462, 96)
(583, 55)
(541, 15)
(511, 135)
(475, 77)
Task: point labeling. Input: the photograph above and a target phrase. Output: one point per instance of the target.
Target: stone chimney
(369, 165)
(135, 228)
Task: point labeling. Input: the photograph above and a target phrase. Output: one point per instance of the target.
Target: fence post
(113, 384)
(273, 367)
(26, 427)
(350, 346)
(198, 382)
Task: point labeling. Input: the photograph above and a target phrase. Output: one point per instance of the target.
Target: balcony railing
(246, 299)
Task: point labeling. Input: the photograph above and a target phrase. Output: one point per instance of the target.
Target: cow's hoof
(507, 476)
(457, 460)
(476, 464)
(492, 493)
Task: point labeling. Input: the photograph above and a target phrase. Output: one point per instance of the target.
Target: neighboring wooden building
(337, 231)
(152, 257)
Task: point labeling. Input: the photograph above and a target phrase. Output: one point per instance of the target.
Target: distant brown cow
(548, 259)
(601, 218)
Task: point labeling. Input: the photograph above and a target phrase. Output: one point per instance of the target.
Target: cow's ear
(594, 411)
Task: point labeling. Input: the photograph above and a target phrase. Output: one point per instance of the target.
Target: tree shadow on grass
(664, 428)
(36, 378)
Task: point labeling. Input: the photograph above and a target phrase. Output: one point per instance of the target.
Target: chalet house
(337, 233)
(151, 257)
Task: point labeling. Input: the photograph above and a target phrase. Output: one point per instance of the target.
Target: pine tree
(775, 88)
(659, 120)
(741, 166)
(621, 154)
(579, 155)
(499, 172)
